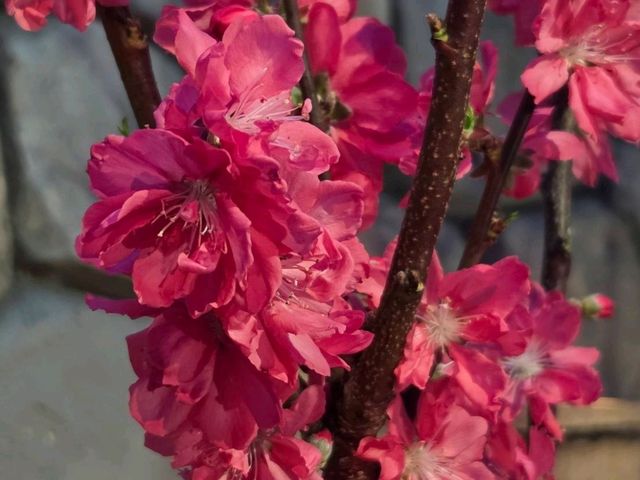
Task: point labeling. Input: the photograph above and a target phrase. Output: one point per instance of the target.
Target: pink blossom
(344, 8)
(598, 306)
(275, 454)
(32, 14)
(297, 330)
(241, 89)
(593, 48)
(547, 369)
(541, 145)
(211, 17)
(247, 77)
(445, 442)
(307, 322)
(458, 310)
(175, 215)
(359, 70)
(509, 456)
(194, 382)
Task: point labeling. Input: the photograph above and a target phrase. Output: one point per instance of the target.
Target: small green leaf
(441, 35)
(512, 217)
(469, 121)
(123, 127)
(296, 96)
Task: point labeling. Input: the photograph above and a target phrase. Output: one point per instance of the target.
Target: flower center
(442, 323)
(528, 364)
(195, 207)
(421, 463)
(247, 114)
(293, 291)
(601, 45)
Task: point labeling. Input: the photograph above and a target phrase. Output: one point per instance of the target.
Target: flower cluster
(32, 14)
(239, 251)
(236, 219)
(487, 343)
(590, 52)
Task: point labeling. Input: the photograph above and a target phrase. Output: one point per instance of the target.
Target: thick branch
(306, 82)
(556, 194)
(369, 388)
(479, 238)
(131, 52)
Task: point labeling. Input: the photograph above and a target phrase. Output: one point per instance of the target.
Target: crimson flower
(172, 214)
(195, 383)
(32, 14)
(445, 442)
(547, 369)
(360, 75)
(594, 48)
(275, 454)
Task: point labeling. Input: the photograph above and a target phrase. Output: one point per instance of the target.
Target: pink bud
(598, 306)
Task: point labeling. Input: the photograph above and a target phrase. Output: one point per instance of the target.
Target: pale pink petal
(545, 75)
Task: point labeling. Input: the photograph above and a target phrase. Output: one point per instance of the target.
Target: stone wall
(64, 369)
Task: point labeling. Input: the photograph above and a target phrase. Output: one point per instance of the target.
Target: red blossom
(593, 48)
(360, 70)
(32, 14)
(444, 442)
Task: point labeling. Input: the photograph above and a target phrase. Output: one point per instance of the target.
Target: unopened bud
(323, 441)
(597, 306)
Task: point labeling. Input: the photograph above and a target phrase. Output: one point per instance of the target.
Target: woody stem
(370, 387)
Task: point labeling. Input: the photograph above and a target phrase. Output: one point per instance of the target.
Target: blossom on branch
(592, 47)
(32, 15)
(444, 442)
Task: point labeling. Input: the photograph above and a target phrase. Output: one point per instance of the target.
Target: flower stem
(480, 238)
(292, 15)
(556, 194)
(131, 52)
(370, 387)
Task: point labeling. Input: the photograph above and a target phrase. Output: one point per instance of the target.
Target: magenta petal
(262, 52)
(323, 39)
(388, 451)
(31, 16)
(545, 75)
(156, 409)
(481, 379)
(79, 13)
(305, 147)
(463, 436)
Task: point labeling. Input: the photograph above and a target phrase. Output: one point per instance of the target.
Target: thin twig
(556, 194)
(479, 238)
(307, 88)
(369, 389)
(131, 52)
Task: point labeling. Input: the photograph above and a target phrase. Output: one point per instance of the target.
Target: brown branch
(556, 194)
(369, 389)
(480, 237)
(131, 52)
(307, 88)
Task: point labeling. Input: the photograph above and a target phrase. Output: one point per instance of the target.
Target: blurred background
(64, 370)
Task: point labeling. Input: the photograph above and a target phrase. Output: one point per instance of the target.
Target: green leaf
(123, 127)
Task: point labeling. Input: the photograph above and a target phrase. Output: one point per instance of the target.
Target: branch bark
(556, 195)
(479, 238)
(307, 87)
(131, 52)
(369, 388)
